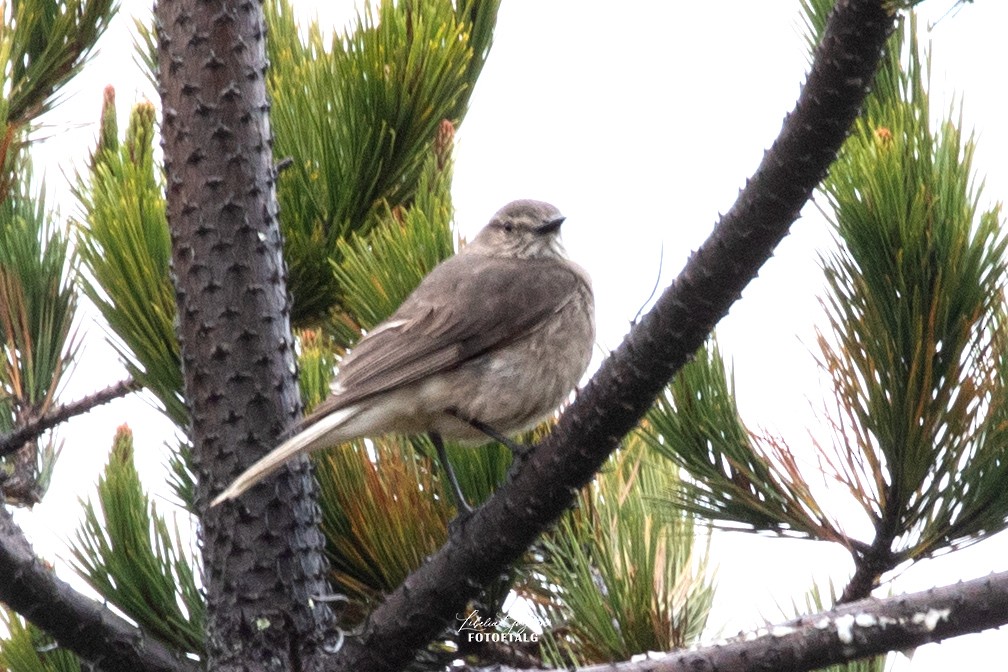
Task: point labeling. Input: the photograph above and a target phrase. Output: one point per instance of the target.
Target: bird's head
(523, 229)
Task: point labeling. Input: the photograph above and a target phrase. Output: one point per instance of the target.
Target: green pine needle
(37, 302)
(125, 248)
(45, 44)
(357, 115)
(623, 576)
(134, 559)
(732, 478)
(916, 308)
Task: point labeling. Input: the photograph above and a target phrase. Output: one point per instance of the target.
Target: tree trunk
(263, 555)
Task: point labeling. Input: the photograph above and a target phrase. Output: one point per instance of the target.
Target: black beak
(552, 226)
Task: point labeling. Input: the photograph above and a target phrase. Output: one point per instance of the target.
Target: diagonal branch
(861, 629)
(77, 623)
(629, 380)
(11, 441)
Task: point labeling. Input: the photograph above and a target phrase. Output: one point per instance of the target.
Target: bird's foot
(518, 460)
(456, 524)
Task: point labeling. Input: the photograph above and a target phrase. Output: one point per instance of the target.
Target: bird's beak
(552, 226)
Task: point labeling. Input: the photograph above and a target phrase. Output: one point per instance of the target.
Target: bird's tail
(323, 432)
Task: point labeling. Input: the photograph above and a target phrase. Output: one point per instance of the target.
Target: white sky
(641, 121)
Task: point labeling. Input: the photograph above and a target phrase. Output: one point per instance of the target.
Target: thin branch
(870, 565)
(854, 631)
(11, 441)
(879, 558)
(78, 623)
(629, 380)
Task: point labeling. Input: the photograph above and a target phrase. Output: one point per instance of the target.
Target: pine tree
(338, 190)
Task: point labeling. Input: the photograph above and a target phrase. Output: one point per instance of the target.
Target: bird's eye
(509, 227)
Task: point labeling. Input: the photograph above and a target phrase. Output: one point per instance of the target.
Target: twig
(11, 441)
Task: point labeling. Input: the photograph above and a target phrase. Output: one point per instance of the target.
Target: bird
(490, 343)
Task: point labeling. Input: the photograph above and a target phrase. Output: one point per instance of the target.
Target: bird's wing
(465, 307)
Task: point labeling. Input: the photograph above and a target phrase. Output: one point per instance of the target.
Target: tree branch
(77, 623)
(629, 380)
(871, 563)
(857, 630)
(11, 441)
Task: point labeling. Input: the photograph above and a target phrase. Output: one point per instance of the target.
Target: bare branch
(857, 630)
(13, 440)
(78, 623)
(629, 380)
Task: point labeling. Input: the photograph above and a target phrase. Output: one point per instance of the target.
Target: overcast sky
(640, 121)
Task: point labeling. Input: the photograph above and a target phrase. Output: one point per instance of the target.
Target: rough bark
(78, 623)
(628, 381)
(263, 556)
(858, 630)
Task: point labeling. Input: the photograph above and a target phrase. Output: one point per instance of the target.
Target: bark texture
(263, 555)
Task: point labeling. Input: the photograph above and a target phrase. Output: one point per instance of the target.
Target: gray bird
(488, 344)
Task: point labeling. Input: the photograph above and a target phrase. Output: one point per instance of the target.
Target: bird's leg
(519, 451)
(460, 502)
